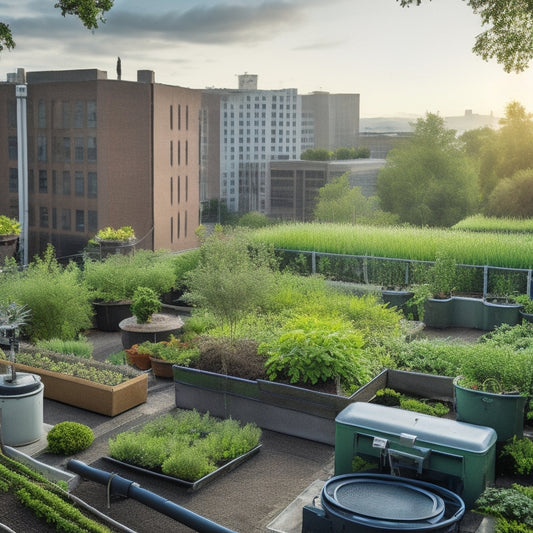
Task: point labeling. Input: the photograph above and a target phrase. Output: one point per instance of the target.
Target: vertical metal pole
(21, 92)
(485, 280)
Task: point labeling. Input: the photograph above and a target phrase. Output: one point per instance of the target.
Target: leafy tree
(317, 154)
(90, 12)
(429, 180)
(512, 197)
(509, 38)
(339, 202)
(508, 150)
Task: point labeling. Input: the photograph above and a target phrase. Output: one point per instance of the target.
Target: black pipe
(126, 488)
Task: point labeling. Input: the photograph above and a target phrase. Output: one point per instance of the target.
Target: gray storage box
(456, 455)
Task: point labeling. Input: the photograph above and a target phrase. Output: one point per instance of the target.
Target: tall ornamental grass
(507, 225)
(472, 248)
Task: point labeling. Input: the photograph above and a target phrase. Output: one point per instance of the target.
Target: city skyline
(401, 61)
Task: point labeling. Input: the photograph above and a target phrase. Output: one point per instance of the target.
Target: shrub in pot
(145, 304)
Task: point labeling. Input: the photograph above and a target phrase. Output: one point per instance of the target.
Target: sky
(402, 61)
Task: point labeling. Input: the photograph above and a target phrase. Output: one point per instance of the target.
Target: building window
(179, 116)
(179, 189)
(186, 152)
(186, 188)
(12, 147)
(79, 185)
(78, 149)
(92, 185)
(54, 218)
(41, 148)
(65, 186)
(43, 181)
(186, 117)
(41, 114)
(171, 119)
(11, 114)
(13, 180)
(171, 190)
(171, 153)
(31, 181)
(65, 111)
(171, 229)
(54, 181)
(65, 219)
(65, 149)
(80, 220)
(179, 152)
(92, 220)
(78, 114)
(43, 217)
(179, 224)
(91, 149)
(185, 225)
(91, 114)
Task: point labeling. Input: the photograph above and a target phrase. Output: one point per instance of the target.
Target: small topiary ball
(68, 438)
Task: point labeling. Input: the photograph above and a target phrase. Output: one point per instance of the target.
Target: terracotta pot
(161, 368)
(140, 360)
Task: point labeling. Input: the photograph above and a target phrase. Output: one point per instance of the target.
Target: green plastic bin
(456, 455)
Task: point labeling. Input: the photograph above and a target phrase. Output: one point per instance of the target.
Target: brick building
(103, 152)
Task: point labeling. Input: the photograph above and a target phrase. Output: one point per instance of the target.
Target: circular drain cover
(385, 500)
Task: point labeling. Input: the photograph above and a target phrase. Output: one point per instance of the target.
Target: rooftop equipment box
(456, 455)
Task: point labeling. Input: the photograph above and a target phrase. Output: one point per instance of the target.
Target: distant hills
(468, 121)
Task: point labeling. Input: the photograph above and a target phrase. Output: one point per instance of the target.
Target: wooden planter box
(104, 399)
(287, 409)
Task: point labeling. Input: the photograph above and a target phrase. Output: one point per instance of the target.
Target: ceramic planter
(396, 299)
(160, 328)
(502, 412)
(161, 368)
(104, 399)
(108, 315)
(8, 246)
(288, 409)
(526, 317)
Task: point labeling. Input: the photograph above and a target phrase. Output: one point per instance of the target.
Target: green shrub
(80, 348)
(111, 234)
(9, 226)
(118, 276)
(145, 304)
(427, 408)
(510, 504)
(388, 397)
(190, 465)
(516, 457)
(173, 351)
(68, 438)
(59, 302)
(316, 348)
(182, 263)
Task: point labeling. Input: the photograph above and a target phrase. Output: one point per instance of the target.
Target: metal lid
(22, 384)
(427, 429)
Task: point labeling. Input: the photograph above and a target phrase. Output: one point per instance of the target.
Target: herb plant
(68, 438)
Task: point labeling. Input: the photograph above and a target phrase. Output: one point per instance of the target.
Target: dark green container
(502, 412)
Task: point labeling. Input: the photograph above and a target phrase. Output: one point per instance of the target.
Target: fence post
(529, 288)
(485, 281)
(313, 262)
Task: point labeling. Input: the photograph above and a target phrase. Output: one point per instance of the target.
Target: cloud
(226, 23)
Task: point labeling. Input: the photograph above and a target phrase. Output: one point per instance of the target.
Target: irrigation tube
(126, 488)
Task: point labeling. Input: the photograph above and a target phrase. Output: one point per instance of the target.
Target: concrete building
(249, 128)
(335, 118)
(295, 184)
(103, 152)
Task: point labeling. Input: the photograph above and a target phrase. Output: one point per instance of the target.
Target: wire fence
(394, 273)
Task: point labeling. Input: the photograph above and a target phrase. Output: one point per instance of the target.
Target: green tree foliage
(317, 154)
(339, 202)
(512, 197)
(508, 150)
(429, 180)
(509, 37)
(90, 12)
(344, 153)
(231, 279)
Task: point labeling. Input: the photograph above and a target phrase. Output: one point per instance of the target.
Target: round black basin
(378, 502)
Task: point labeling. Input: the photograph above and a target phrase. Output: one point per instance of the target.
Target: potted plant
(495, 382)
(164, 354)
(115, 240)
(147, 324)
(9, 235)
(113, 281)
(526, 311)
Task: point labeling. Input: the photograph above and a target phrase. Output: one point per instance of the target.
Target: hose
(126, 488)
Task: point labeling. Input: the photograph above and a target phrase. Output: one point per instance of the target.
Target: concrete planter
(287, 409)
(160, 328)
(104, 399)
